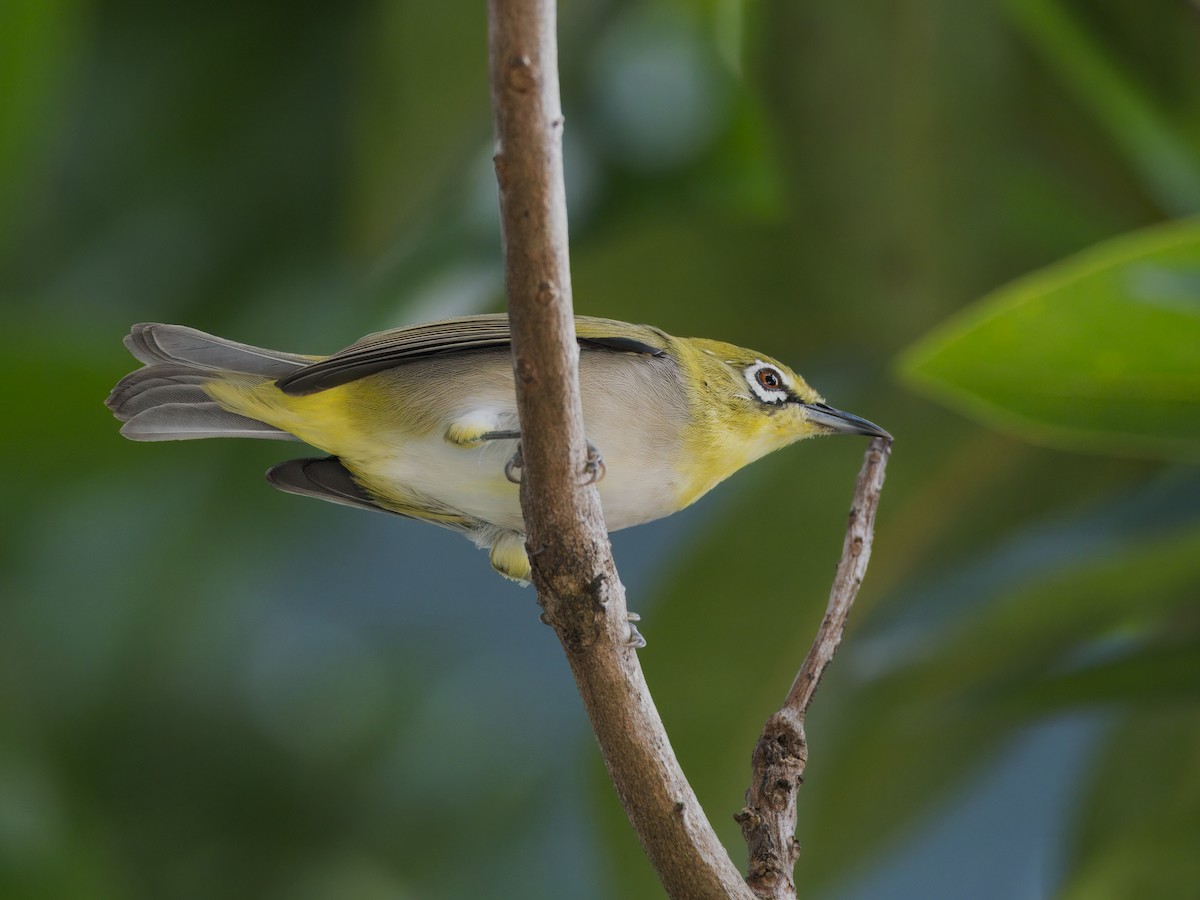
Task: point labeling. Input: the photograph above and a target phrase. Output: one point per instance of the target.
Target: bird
(421, 421)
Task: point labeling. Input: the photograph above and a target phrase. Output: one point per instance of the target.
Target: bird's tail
(192, 384)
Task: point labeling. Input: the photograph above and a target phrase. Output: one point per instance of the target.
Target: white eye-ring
(767, 382)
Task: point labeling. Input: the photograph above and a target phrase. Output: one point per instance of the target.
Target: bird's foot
(594, 467)
(635, 641)
(512, 468)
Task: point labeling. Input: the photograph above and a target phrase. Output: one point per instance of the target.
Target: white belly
(633, 414)
(471, 480)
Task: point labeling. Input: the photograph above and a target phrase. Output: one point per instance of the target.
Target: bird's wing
(326, 478)
(388, 349)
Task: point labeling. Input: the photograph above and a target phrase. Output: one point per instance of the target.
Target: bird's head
(762, 404)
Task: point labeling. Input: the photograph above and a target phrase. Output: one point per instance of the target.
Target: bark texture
(573, 570)
(769, 818)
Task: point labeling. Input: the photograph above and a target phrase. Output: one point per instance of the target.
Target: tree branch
(573, 569)
(769, 819)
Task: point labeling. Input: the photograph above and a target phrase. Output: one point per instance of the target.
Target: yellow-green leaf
(1098, 352)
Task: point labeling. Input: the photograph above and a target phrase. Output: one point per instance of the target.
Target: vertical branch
(769, 818)
(564, 523)
(576, 579)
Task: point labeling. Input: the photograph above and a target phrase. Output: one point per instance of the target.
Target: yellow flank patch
(345, 421)
(326, 420)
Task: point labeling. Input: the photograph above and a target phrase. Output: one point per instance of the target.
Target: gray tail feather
(165, 400)
(152, 343)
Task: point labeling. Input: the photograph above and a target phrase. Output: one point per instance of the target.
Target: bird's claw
(635, 641)
(512, 468)
(594, 467)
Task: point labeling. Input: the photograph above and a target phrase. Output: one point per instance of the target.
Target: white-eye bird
(422, 421)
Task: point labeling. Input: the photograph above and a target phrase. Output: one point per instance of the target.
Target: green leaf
(1138, 829)
(1099, 352)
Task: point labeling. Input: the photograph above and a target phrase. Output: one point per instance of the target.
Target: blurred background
(211, 689)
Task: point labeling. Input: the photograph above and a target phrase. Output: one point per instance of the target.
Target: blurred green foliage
(208, 689)
(1100, 352)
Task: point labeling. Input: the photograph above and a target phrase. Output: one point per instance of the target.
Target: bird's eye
(770, 379)
(767, 383)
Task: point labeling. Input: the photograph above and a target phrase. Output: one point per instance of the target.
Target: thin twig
(769, 818)
(573, 569)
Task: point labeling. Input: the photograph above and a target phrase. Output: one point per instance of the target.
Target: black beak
(839, 422)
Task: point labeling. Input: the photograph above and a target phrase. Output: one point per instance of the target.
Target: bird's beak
(839, 422)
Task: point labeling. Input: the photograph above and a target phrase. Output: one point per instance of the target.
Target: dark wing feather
(621, 344)
(388, 349)
(325, 478)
